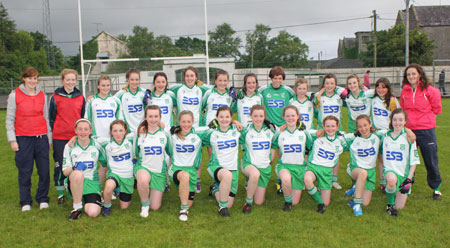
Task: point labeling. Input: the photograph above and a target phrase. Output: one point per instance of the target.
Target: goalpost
(83, 61)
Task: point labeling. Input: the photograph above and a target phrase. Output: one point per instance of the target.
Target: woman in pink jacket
(422, 102)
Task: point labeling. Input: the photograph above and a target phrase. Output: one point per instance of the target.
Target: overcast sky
(181, 17)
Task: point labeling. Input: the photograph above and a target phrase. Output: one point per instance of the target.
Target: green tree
(286, 50)
(7, 30)
(190, 45)
(90, 50)
(391, 48)
(222, 43)
(41, 41)
(256, 47)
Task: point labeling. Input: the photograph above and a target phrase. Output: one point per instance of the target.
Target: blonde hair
(66, 71)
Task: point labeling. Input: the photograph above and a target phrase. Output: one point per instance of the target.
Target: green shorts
(157, 181)
(89, 187)
(323, 174)
(371, 177)
(400, 180)
(192, 176)
(125, 185)
(213, 170)
(264, 174)
(297, 174)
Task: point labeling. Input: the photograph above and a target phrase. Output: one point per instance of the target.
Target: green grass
(423, 222)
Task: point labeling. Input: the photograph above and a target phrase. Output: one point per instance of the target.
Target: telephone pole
(374, 38)
(407, 33)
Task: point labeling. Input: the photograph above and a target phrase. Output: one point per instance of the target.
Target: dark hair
(128, 74)
(423, 77)
(296, 111)
(220, 72)
(397, 111)
(102, 77)
(29, 72)
(353, 76)
(330, 117)
(118, 122)
(160, 74)
(191, 68)
(363, 117)
(276, 71)
(244, 87)
(368, 71)
(327, 76)
(224, 108)
(178, 130)
(143, 127)
(387, 84)
(258, 107)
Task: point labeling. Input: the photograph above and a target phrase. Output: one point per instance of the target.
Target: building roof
(343, 63)
(427, 16)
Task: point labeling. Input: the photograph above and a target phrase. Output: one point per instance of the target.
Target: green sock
(223, 204)
(390, 196)
(315, 195)
(60, 192)
(382, 182)
(249, 201)
(288, 198)
(335, 177)
(107, 205)
(145, 203)
(198, 179)
(438, 187)
(357, 201)
(184, 207)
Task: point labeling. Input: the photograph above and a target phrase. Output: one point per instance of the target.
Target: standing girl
(103, 108)
(223, 166)
(67, 105)
(422, 103)
(383, 104)
(292, 144)
(400, 158)
(257, 141)
(27, 105)
(321, 160)
(186, 159)
(247, 98)
(81, 169)
(131, 100)
(303, 103)
(163, 98)
(150, 169)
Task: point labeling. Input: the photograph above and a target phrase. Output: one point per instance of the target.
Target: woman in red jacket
(422, 102)
(27, 128)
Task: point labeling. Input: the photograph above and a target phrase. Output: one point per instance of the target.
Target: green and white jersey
(132, 107)
(380, 114)
(101, 112)
(244, 106)
(190, 99)
(149, 149)
(359, 105)
(306, 110)
(257, 145)
(165, 101)
(292, 146)
(225, 147)
(326, 150)
(328, 105)
(274, 100)
(90, 155)
(399, 154)
(119, 156)
(212, 101)
(188, 152)
(364, 152)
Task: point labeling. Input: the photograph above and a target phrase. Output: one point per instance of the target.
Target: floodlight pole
(206, 43)
(83, 85)
(407, 33)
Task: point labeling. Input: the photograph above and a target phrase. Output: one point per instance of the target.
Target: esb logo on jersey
(396, 156)
(305, 117)
(330, 109)
(164, 110)
(275, 104)
(297, 148)
(217, 106)
(190, 101)
(358, 108)
(104, 113)
(134, 108)
(152, 150)
(380, 112)
(246, 110)
(366, 152)
(184, 148)
(226, 144)
(121, 157)
(262, 145)
(326, 154)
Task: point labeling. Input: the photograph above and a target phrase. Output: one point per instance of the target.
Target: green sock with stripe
(357, 201)
(145, 203)
(315, 195)
(382, 182)
(249, 201)
(335, 178)
(438, 188)
(390, 196)
(223, 204)
(107, 205)
(184, 206)
(288, 198)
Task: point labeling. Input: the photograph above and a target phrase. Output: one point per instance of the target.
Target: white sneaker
(26, 208)
(113, 197)
(43, 205)
(144, 211)
(336, 185)
(183, 215)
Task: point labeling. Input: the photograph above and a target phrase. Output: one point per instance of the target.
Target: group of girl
(143, 142)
